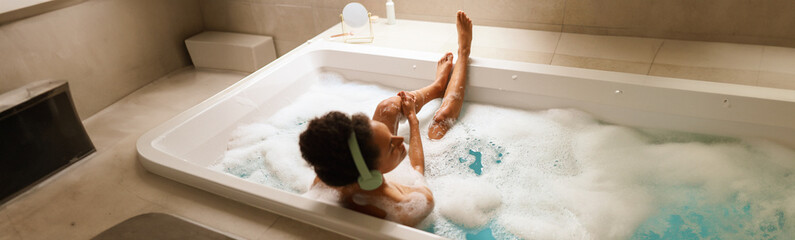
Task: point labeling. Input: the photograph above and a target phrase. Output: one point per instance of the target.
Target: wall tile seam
(563, 18)
(721, 35)
(769, 82)
(513, 49)
(267, 229)
(291, 5)
(753, 65)
(758, 76)
(557, 44)
(335, 9)
(524, 26)
(705, 68)
(656, 53)
(683, 36)
(617, 66)
(594, 27)
(754, 80)
(604, 59)
(761, 60)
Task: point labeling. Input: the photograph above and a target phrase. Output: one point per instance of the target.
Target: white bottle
(390, 12)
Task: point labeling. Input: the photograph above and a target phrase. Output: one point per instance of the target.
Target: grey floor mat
(159, 226)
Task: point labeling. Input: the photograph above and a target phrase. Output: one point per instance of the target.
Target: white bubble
(325, 193)
(469, 202)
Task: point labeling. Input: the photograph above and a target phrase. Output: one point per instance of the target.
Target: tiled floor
(111, 185)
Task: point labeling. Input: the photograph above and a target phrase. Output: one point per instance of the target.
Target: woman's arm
(416, 154)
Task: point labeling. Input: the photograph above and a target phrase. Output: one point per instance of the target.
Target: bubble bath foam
(504, 173)
(540, 152)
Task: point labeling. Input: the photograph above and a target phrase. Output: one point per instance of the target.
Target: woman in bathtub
(350, 154)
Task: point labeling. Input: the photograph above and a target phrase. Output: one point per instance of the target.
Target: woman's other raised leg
(454, 94)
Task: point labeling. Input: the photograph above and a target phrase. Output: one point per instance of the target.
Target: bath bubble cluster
(504, 173)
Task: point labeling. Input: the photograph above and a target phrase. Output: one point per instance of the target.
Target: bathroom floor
(111, 186)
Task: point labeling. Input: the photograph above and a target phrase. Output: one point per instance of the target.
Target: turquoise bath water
(691, 216)
(476, 166)
(483, 233)
(698, 218)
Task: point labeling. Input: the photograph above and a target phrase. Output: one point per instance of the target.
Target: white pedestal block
(231, 51)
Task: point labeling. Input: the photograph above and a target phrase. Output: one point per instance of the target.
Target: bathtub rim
(174, 168)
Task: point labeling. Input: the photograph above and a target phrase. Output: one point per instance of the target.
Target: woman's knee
(390, 107)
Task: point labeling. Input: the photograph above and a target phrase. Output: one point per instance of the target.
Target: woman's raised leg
(454, 94)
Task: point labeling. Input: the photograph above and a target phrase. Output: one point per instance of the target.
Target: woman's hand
(416, 154)
(407, 100)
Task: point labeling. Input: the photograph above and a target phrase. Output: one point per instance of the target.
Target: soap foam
(325, 193)
(552, 174)
(469, 202)
(416, 204)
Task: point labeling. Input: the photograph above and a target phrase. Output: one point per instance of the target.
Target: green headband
(368, 180)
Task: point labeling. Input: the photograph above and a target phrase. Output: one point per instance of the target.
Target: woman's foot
(436, 90)
(454, 94)
(464, 26)
(443, 69)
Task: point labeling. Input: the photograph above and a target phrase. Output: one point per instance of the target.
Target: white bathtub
(183, 147)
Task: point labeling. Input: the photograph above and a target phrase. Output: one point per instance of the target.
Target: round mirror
(354, 14)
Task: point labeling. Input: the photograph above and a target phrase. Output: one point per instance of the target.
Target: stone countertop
(745, 64)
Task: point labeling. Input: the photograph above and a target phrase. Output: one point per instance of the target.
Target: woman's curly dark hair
(324, 145)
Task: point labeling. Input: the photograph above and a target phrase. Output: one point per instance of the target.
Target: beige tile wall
(106, 49)
(767, 22)
(85, 45)
(289, 22)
